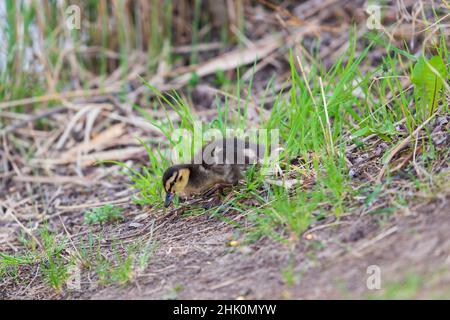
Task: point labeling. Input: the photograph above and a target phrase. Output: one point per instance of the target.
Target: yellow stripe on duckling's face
(178, 181)
(169, 181)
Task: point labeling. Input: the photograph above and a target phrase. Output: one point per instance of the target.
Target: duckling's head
(174, 181)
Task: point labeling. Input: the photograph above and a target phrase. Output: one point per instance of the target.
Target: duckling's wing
(244, 152)
(230, 151)
(212, 153)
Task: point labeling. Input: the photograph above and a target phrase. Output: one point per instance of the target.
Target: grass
(126, 26)
(51, 259)
(56, 262)
(323, 112)
(172, 293)
(410, 287)
(119, 263)
(10, 265)
(115, 269)
(406, 289)
(54, 267)
(316, 119)
(103, 214)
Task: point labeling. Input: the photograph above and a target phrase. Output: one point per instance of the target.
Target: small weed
(120, 268)
(10, 265)
(408, 289)
(173, 293)
(119, 264)
(289, 275)
(116, 268)
(428, 77)
(54, 266)
(106, 213)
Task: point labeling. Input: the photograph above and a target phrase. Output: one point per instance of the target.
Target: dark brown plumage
(218, 162)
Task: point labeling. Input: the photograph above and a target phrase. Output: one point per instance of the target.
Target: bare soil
(195, 261)
(210, 257)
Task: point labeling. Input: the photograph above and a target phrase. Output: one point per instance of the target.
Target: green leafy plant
(428, 77)
(103, 214)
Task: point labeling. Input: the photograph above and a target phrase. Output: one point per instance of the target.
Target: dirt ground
(193, 258)
(195, 261)
(210, 257)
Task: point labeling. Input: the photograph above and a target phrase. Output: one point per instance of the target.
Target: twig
(379, 237)
(25, 229)
(324, 226)
(31, 282)
(31, 119)
(70, 239)
(399, 147)
(95, 204)
(58, 96)
(54, 180)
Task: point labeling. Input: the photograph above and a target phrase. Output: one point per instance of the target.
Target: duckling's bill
(169, 198)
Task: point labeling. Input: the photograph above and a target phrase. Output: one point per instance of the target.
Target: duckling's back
(230, 151)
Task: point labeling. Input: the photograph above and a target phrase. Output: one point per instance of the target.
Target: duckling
(219, 162)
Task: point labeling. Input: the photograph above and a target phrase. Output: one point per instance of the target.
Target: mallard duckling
(218, 162)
